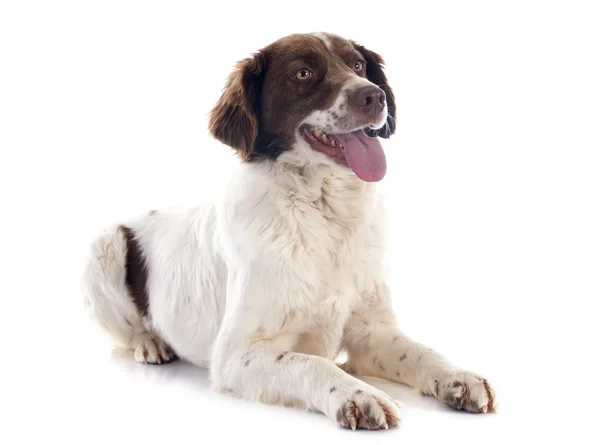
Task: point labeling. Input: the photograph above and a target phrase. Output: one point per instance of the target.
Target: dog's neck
(302, 170)
(336, 192)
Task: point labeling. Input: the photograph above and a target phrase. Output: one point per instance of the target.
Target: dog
(285, 270)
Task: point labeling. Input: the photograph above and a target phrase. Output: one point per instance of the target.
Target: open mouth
(363, 154)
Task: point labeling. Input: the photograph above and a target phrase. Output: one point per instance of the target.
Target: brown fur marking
(136, 272)
(490, 405)
(262, 103)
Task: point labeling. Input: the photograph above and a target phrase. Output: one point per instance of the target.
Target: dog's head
(309, 98)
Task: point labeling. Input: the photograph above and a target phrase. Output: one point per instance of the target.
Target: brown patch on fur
(292, 403)
(247, 363)
(258, 335)
(332, 389)
(152, 212)
(169, 355)
(263, 103)
(288, 317)
(366, 409)
(233, 119)
(370, 419)
(136, 278)
(287, 101)
(490, 405)
(347, 415)
(280, 356)
(402, 357)
(381, 368)
(464, 402)
(358, 391)
(448, 398)
(376, 75)
(136, 272)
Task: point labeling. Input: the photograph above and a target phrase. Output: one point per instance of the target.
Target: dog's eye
(303, 74)
(358, 66)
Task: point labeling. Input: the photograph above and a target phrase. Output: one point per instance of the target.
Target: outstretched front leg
(254, 358)
(377, 348)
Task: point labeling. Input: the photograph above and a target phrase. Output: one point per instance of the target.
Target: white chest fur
(312, 240)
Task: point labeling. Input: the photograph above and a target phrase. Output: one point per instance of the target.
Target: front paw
(464, 391)
(362, 406)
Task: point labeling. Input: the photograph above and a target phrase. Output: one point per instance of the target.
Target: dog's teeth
(317, 132)
(324, 138)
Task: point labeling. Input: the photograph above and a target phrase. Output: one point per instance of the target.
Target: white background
(493, 190)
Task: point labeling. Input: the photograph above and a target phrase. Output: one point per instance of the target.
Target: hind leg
(109, 301)
(150, 348)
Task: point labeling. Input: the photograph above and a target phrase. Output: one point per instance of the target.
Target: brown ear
(233, 120)
(376, 75)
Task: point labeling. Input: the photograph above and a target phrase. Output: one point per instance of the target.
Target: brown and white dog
(285, 270)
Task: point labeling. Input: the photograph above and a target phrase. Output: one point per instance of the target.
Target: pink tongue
(364, 155)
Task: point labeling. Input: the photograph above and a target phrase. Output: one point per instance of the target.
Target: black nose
(370, 99)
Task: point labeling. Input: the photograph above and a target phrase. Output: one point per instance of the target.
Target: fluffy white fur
(267, 285)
